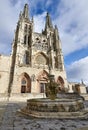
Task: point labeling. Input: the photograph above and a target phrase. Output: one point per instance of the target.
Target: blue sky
(71, 18)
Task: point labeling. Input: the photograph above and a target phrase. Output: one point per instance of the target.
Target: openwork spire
(48, 21)
(25, 11)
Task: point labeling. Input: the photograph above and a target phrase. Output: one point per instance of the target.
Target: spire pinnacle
(82, 82)
(48, 21)
(25, 11)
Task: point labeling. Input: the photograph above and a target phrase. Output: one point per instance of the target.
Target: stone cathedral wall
(4, 73)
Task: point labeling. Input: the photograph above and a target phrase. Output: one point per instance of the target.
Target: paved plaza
(10, 119)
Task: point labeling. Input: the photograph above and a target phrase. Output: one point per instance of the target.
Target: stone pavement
(2, 110)
(12, 120)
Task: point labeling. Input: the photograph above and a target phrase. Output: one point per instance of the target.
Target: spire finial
(25, 11)
(20, 15)
(48, 21)
(56, 27)
(82, 82)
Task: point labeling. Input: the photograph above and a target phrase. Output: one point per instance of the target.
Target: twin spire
(25, 14)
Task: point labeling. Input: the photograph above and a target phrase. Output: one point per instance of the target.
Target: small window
(44, 40)
(37, 38)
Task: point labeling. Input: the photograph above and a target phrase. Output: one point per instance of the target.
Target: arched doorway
(42, 79)
(60, 82)
(25, 83)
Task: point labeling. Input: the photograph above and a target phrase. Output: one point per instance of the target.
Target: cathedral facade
(34, 56)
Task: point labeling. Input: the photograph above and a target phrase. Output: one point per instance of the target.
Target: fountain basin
(64, 106)
(57, 105)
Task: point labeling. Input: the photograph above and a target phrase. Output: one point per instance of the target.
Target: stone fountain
(62, 105)
(56, 105)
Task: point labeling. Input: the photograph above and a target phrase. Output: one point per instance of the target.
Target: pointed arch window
(25, 39)
(26, 57)
(29, 29)
(28, 40)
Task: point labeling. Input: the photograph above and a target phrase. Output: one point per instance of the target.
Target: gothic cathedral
(34, 56)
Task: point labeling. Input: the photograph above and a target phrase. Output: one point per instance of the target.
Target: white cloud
(78, 70)
(9, 14)
(73, 24)
(72, 21)
(48, 2)
(39, 22)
